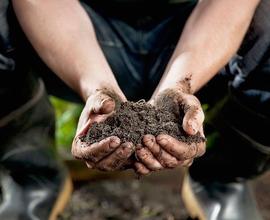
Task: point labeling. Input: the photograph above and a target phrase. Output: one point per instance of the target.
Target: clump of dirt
(133, 120)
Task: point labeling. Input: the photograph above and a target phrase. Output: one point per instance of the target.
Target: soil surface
(127, 198)
(123, 200)
(156, 197)
(133, 120)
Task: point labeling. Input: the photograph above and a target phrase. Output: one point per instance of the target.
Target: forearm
(212, 35)
(63, 35)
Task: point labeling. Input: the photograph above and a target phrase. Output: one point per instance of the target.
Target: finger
(83, 129)
(148, 160)
(194, 115)
(107, 106)
(98, 103)
(117, 159)
(186, 163)
(180, 150)
(96, 151)
(83, 123)
(193, 120)
(141, 169)
(165, 159)
(202, 145)
(150, 142)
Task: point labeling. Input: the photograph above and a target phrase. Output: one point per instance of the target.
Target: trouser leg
(33, 182)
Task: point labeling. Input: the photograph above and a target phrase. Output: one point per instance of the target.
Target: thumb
(97, 107)
(193, 120)
(101, 103)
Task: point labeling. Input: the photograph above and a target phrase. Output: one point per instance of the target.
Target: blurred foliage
(67, 116)
(205, 107)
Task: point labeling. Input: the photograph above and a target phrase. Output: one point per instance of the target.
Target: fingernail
(162, 141)
(107, 105)
(193, 126)
(149, 140)
(115, 140)
(89, 165)
(158, 166)
(128, 149)
(106, 100)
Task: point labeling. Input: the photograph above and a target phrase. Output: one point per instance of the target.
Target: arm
(212, 35)
(64, 37)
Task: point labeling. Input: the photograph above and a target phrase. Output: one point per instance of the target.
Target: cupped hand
(108, 154)
(164, 151)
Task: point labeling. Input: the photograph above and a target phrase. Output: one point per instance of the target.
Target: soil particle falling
(133, 120)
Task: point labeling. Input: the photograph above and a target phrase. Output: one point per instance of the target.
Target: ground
(156, 197)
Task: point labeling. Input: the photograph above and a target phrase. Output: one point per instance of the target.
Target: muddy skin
(185, 84)
(133, 120)
(111, 94)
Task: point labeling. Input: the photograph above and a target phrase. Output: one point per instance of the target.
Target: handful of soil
(133, 120)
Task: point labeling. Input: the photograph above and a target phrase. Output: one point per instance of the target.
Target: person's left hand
(166, 152)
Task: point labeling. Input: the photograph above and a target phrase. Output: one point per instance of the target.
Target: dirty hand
(108, 154)
(164, 151)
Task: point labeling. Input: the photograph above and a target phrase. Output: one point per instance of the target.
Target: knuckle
(90, 156)
(164, 141)
(173, 152)
(187, 163)
(122, 152)
(116, 163)
(172, 163)
(201, 150)
(76, 152)
(143, 154)
(114, 142)
(105, 167)
(148, 140)
(192, 151)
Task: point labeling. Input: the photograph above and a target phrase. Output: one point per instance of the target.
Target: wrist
(180, 85)
(89, 87)
(179, 74)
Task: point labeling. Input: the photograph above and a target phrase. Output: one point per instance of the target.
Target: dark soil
(125, 200)
(133, 120)
(155, 198)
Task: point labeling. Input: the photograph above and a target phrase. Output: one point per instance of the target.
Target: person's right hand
(109, 154)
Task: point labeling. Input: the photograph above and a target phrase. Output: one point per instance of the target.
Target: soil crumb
(133, 120)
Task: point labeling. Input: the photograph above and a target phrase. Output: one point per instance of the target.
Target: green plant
(67, 115)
